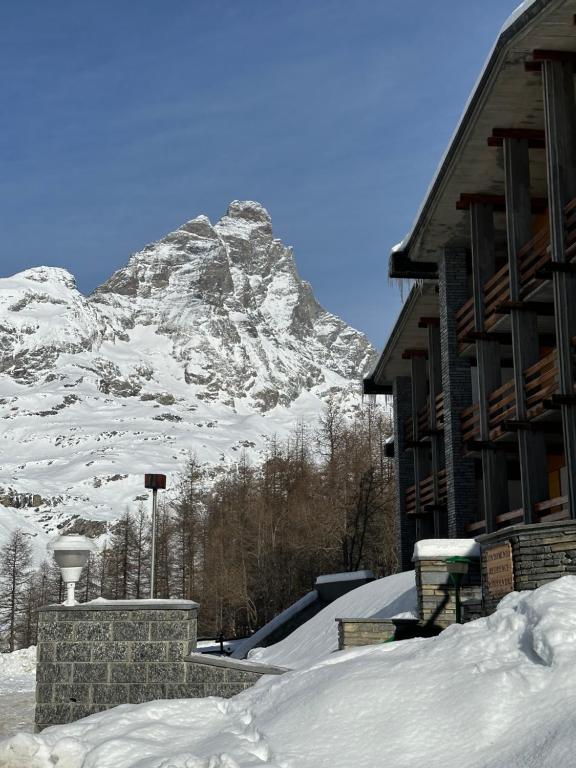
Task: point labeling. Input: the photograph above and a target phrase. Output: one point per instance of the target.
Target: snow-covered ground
(17, 681)
(318, 637)
(499, 692)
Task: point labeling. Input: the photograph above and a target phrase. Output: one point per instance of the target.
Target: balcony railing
(496, 292)
(501, 407)
(533, 258)
(470, 422)
(426, 493)
(541, 381)
(464, 323)
(570, 230)
(440, 411)
(545, 512)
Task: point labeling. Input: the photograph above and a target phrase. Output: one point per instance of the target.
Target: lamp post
(154, 482)
(71, 553)
(457, 568)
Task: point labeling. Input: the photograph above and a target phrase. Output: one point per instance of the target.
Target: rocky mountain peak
(207, 340)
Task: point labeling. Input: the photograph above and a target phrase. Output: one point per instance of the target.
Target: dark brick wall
(404, 471)
(457, 388)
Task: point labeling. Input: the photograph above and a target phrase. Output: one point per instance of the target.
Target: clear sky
(124, 118)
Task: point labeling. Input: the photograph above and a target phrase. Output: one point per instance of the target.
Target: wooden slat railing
(570, 230)
(440, 411)
(426, 492)
(533, 257)
(553, 509)
(470, 422)
(408, 428)
(541, 381)
(424, 419)
(496, 292)
(501, 406)
(464, 323)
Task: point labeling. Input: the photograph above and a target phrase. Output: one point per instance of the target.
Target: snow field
(499, 692)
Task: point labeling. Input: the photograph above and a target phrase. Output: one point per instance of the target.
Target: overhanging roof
(505, 96)
(422, 301)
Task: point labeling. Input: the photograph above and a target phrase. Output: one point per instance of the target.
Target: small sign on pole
(154, 482)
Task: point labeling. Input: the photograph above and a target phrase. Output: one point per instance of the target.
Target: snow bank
(432, 548)
(319, 636)
(18, 670)
(499, 692)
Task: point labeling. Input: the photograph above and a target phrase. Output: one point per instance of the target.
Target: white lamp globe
(71, 552)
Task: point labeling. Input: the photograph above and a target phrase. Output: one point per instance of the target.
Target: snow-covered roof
(347, 576)
(434, 548)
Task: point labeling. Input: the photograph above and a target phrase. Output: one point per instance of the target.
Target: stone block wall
(437, 595)
(95, 656)
(355, 632)
(540, 553)
(208, 675)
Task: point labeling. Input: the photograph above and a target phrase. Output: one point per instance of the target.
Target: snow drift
(318, 637)
(499, 692)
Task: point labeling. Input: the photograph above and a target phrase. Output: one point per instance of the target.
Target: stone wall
(95, 656)
(355, 632)
(437, 595)
(540, 553)
(208, 675)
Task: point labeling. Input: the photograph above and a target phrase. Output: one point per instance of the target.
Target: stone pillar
(94, 656)
(560, 126)
(457, 387)
(436, 593)
(494, 472)
(403, 470)
(525, 343)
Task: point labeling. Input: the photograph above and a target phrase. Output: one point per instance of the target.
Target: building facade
(481, 361)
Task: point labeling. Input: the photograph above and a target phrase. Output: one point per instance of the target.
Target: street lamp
(154, 482)
(71, 553)
(457, 567)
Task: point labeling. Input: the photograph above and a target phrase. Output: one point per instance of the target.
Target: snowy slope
(495, 693)
(318, 637)
(206, 341)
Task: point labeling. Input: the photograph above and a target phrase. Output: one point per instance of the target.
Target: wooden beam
(519, 133)
(538, 204)
(426, 322)
(542, 54)
(543, 308)
(401, 266)
(548, 427)
(408, 354)
(494, 141)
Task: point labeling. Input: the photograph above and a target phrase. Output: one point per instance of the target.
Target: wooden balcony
(470, 423)
(570, 230)
(440, 411)
(501, 407)
(545, 512)
(496, 293)
(426, 493)
(533, 259)
(541, 381)
(464, 323)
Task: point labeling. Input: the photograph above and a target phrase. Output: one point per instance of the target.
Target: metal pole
(153, 553)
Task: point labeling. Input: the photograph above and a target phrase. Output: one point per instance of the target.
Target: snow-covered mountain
(206, 341)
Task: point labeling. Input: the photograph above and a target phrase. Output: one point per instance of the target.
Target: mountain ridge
(206, 340)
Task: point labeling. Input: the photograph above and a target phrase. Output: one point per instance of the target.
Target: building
(480, 363)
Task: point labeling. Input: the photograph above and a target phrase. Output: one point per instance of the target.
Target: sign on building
(499, 570)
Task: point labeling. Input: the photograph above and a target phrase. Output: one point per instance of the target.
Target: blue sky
(124, 119)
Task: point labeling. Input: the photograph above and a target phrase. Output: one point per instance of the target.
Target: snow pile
(499, 692)
(433, 548)
(18, 670)
(318, 637)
